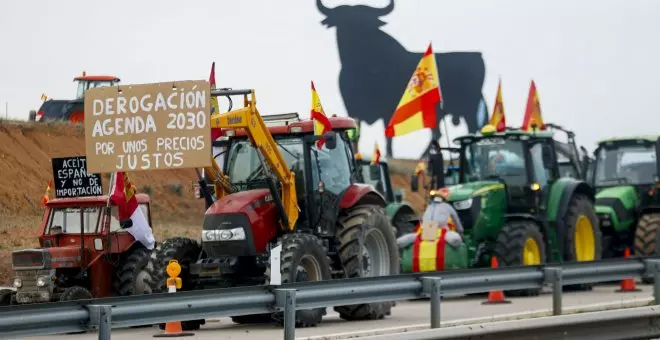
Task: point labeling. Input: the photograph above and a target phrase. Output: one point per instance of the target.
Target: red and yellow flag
(498, 120)
(533, 111)
(420, 167)
(417, 107)
(46, 197)
(375, 158)
(321, 121)
(215, 133)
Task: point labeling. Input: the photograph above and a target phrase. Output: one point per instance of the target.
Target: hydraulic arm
(248, 118)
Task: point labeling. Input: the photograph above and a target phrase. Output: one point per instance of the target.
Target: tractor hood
(461, 192)
(626, 194)
(46, 258)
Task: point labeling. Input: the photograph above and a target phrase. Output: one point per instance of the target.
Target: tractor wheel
(520, 243)
(6, 297)
(402, 224)
(365, 234)
(131, 277)
(646, 238)
(75, 293)
(303, 259)
(186, 252)
(583, 241)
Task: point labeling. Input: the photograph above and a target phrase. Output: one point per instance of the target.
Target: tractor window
(243, 163)
(334, 167)
(542, 167)
(633, 164)
(379, 183)
(494, 159)
(67, 220)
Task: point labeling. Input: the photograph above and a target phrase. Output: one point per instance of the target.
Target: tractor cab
(625, 177)
(78, 249)
(85, 82)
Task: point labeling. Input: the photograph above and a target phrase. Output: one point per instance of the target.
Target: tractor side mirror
(374, 172)
(330, 140)
(414, 185)
(398, 194)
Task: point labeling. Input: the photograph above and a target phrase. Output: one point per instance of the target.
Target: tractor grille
(30, 259)
(221, 248)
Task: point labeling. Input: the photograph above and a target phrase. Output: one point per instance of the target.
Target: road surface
(404, 315)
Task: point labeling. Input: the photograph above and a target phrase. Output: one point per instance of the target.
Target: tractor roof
(648, 138)
(92, 200)
(290, 123)
(95, 78)
(508, 132)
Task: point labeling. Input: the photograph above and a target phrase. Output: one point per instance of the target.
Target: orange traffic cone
(172, 329)
(628, 285)
(495, 296)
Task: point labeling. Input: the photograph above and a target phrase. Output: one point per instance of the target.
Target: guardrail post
(286, 299)
(433, 286)
(100, 316)
(653, 268)
(555, 278)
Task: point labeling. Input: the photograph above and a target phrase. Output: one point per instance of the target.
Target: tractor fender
(394, 209)
(361, 193)
(561, 202)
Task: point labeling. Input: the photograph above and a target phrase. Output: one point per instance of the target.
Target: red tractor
(282, 189)
(72, 263)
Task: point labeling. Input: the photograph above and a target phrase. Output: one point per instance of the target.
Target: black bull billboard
(375, 69)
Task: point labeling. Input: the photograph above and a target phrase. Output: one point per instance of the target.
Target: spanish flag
(497, 120)
(375, 158)
(128, 209)
(533, 111)
(215, 133)
(417, 107)
(46, 197)
(43, 97)
(429, 256)
(321, 121)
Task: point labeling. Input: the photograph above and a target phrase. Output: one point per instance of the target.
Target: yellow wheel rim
(585, 248)
(531, 253)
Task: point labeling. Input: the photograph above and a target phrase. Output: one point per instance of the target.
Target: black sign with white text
(72, 180)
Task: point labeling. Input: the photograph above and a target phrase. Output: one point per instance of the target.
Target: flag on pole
(215, 132)
(533, 111)
(497, 120)
(375, 158)
(43, 97)
(123, 196)
(321, 121)
(417, 107)
(46, 197)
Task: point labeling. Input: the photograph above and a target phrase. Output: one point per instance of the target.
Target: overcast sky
(595, 62)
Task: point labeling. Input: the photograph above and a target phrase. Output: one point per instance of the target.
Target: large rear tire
(520, 243)
(646, 238)
(186, 252)
(403, 224)
(583, 241)
(131, 277)
(367, 248)
(303, 259)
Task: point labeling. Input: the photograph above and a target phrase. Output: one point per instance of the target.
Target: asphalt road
(407, 314)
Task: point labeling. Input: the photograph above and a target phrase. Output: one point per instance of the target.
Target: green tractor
(626, 178)
(516, 204)
(401, 213)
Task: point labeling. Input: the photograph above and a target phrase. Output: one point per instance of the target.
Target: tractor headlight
(464, 204)
(18, 283)
(42, 281)
(235, 234)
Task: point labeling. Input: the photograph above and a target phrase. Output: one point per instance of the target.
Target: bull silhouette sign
(375, 69)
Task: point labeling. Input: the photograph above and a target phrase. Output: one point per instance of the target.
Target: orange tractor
(72, 110)
(83, 253)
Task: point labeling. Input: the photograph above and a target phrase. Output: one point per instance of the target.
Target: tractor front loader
(625, 175)
(283, 189)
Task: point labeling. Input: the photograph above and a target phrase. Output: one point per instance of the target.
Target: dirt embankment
(26, 150)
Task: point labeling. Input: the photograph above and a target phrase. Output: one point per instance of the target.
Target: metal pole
(100, 317)
(433, 287)
(554, 276)
(7, 109)
(287, 300)
(653, 266)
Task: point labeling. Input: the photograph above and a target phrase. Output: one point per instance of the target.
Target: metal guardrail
(630, 323)
(105, 314)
